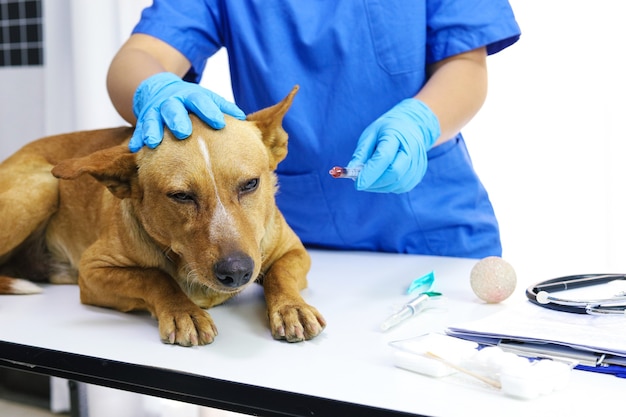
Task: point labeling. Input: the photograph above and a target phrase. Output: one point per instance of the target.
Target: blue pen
(615, 370)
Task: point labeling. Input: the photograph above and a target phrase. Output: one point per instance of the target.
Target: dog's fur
(173, 231)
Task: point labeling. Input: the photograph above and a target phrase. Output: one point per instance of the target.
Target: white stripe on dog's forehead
(222, 221)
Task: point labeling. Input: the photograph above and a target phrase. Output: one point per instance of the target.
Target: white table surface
(350, 361)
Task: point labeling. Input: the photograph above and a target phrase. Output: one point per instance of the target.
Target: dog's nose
(234, 270)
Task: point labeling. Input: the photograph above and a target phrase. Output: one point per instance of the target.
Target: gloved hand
(166, 98)
(392, 150)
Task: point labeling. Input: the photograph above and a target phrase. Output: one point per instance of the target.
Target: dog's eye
(182, 197)
(249, 186)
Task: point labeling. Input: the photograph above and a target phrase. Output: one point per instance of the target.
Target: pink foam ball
(493, 279)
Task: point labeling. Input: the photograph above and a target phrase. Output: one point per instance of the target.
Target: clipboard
(597, 343)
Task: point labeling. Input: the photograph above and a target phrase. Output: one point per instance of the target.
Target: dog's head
(206, 202)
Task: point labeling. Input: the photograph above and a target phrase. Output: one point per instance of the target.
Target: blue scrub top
(353, 60)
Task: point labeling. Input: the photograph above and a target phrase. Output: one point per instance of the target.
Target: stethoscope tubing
(603, 306)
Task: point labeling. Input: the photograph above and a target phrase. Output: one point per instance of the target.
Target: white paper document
(529, 323)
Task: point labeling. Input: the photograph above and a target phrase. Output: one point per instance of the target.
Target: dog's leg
(290, 317)
(148, 289)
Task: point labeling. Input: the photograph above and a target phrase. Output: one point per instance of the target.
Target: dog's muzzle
(234, 270)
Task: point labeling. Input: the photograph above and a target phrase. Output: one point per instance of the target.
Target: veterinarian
(384, 84)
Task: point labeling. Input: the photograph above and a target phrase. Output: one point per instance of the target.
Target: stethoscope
(540, 295)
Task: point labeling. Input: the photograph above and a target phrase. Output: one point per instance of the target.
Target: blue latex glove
(166, 98)
(393, 149)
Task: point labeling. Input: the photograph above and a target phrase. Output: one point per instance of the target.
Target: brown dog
(180, 229)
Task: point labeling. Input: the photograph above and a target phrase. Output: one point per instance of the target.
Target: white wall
(549, 142)
(21, 109)
(81, 38)
(68, 92)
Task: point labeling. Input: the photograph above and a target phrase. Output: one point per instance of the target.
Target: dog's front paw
(296, 322)
(187, 328)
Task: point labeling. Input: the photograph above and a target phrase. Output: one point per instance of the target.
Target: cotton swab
(484, 379)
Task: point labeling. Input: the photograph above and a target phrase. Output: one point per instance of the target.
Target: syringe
(409, 310)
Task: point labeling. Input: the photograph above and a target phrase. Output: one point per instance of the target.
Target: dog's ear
(270, 121)
(114, 167)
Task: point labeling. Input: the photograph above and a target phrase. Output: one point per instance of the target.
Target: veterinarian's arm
(393, 149)
(456, 90)
(139, 58)
(145, 86)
